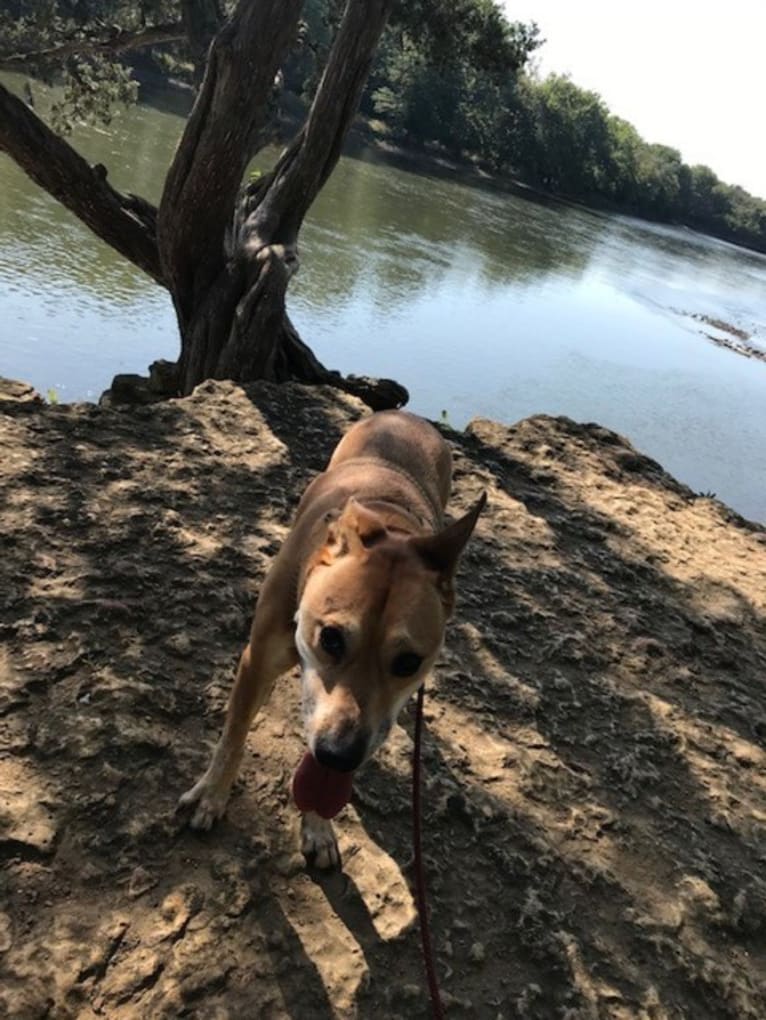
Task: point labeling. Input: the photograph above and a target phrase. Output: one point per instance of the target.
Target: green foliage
(451, 87)
(567, 141)
(94, 84)
(440, 72)
(92, 89)
(29, 26)
(474, 32)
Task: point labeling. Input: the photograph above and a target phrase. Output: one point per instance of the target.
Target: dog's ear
(441, 552)
(356, 529)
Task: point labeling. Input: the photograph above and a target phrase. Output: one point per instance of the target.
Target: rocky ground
(595, 791)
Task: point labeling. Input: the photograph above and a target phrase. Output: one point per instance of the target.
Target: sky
(684, 73)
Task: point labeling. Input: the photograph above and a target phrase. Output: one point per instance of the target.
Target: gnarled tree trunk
(225, 253)
(230, 273)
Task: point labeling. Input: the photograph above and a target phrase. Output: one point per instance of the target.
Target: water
(479, 302)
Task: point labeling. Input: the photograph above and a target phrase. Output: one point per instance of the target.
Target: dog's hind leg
(270, 653)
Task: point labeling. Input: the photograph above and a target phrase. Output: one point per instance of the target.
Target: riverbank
(594, 757)
(431, 160)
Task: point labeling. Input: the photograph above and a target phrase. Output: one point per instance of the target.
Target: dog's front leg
(318, 841)
(271, 652)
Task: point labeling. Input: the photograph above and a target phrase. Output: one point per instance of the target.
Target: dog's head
(370, 625)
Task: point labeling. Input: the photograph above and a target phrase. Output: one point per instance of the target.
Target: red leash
(420, 881)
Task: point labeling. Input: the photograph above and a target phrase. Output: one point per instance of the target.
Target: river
(480, 302)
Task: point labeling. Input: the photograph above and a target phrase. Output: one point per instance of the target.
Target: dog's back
(409, 444)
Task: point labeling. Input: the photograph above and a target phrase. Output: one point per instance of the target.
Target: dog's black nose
(341, 754)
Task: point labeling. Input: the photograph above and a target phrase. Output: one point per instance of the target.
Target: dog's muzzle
(343, 754)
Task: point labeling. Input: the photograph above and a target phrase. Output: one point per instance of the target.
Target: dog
(359, 594)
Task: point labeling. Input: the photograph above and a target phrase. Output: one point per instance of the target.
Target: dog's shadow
(348, 905)
(346, 900)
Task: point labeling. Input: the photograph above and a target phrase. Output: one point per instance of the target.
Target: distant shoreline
(421, 159)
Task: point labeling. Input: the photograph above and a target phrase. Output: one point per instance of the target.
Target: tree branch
(230, 113)
(118, 42)
(202, 21)
(125, 222)
(314, 152)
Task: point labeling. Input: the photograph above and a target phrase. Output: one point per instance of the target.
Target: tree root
(162, 384)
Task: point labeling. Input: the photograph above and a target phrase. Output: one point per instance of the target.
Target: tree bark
(125, 222)
(231, 309)
(202, 20)
(312, 156)
(220, 138)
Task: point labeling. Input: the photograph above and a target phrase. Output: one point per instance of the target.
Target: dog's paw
(318, 842)
(206, 802)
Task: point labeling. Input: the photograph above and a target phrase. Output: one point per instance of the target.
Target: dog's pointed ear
(356, 529)
(441, 552)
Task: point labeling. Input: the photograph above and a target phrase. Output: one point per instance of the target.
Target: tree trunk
(242, 332)
(231, 300)
(202, 21)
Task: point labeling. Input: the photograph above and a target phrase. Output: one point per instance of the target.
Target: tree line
(471, 93)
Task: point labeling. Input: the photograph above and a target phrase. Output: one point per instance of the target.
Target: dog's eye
(331, 640)
(406, 664)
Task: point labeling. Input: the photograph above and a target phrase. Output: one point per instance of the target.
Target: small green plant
(52, 395)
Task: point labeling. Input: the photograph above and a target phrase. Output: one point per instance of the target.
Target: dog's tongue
(317, 788)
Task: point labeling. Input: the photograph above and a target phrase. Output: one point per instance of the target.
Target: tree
(625, 145)
(571, 135)
(706, 198)
(226, 254)
(443, 74)
(660, 178)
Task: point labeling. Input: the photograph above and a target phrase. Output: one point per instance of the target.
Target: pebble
(179, 643)
(477, 953)
(411, 991)
(141, 881)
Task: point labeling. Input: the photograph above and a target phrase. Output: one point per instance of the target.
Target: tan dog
(359, 594)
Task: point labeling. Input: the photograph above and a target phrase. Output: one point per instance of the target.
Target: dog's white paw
(318, 843)
(208, 801)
